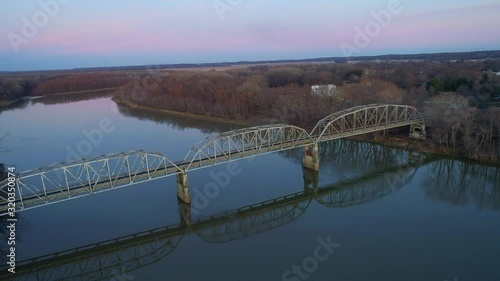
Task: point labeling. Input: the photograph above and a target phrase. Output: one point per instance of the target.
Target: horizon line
(346, 59)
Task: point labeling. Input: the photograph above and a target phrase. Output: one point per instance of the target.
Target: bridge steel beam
(365, 119)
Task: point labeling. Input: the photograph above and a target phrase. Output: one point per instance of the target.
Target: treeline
(461, 126)
(81, 82)
(12, 88)
(15, 86)
(283, 94)
(440, 57)
(277, 93)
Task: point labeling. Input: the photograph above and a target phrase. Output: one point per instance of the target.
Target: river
(372, 212)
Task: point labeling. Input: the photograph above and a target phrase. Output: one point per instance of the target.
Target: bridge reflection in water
(447, 180)
(106, 259)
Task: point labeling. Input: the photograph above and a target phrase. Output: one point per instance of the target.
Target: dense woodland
(13, 87)
(465, 91)
(81, 82)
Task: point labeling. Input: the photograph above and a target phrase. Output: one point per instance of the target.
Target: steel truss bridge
(66, 181)
(116, 257)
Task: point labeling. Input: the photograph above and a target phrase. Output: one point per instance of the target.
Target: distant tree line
(15, 86)
(81, 82)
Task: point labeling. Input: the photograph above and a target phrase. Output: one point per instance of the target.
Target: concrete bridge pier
(311, 157)
(417, 131)
(183, 188)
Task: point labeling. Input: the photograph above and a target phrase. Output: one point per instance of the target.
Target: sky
(62, 34)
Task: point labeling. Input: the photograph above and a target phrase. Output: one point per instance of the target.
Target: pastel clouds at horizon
(94, 33)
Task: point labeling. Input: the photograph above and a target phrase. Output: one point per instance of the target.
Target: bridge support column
(311, 157)
(417, 131)
(183, 188)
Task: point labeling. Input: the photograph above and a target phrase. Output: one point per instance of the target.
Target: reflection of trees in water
(462, 183)
(72, 98)
(18, 105)
(58, 99)
(180, 123)
(355, 154)
(3, 135)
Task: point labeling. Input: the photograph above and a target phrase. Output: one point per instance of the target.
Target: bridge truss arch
(70, 180)
(245, 143)
(364, 119)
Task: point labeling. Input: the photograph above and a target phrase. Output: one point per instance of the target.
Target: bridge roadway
(68, 181)
(106, 259)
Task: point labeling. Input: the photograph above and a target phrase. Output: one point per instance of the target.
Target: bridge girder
(245, 143)
(364, 119)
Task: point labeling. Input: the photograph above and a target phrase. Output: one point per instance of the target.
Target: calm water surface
(388, 213)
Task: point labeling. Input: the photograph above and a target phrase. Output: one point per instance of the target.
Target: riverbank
(7, 103)
(82, 92)
(239, 122)
(425, 146)
(404, 142)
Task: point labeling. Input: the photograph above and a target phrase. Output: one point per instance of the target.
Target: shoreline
(76, 92)
(401, 142)
(241, 122)
(7, 103)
